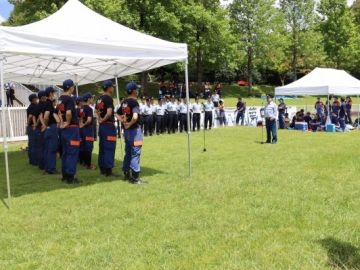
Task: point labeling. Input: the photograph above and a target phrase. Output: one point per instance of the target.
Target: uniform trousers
(238, 116)
(183, 122)
(32, 146)
(133, 145)
(208, 119)
(196, 121)
(40, 148)
(271, 130)
(147, 124)
(87, 144)
(159, 124)
(348, 117)
(51, 147)
(172, 122)
(107, 145)
(70, 137)
(281, 120)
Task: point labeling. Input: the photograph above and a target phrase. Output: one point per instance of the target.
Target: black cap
(281, 99)
(239, 97)
(269, 96)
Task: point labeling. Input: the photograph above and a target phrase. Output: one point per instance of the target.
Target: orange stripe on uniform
(75, 143)
(111, 138)
(137, 143)
(89, 139)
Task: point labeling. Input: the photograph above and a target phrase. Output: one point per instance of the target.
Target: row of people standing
(171, 116)
(48, 126)
(341, 108)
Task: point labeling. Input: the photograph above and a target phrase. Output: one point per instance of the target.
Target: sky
(6, 8)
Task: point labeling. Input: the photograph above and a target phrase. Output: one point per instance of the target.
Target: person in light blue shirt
(196, 110)
(208, 107)
(159, 111)
(271, 114)
(183, 115)
(171, 108)
(147, 112)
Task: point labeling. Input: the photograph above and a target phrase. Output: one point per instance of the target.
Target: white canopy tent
(322, 81)
(78, 43)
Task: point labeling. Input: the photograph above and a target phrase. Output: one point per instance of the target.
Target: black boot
(126, 175)
(72, 180)
(136, 180)
(108, 173)
(102, 170)
(64, 176)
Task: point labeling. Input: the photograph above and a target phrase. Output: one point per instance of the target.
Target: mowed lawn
(293, 205)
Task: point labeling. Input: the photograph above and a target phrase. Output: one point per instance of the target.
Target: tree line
(260, 41)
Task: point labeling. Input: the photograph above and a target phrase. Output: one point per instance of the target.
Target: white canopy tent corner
(76, 42)
(323, 81)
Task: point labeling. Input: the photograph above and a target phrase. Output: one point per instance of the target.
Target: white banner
(252, 115)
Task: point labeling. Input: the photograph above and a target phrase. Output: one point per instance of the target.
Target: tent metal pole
(188, 113)
(76, 85)
(358, 110)
(306, 104)
(118, 102)
(6, 147)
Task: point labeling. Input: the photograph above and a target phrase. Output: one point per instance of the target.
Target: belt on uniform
(108, 123)
(146, 115)
(208, 111)
(72, 126)
(172, 112)
(159, 115)
(268, 118)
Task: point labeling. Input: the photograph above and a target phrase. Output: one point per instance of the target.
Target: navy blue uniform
(342, 115)
(51, 138)
(40, 139)
(240, 114)
(107, 133)
(281, 109)
(133, 136)
(70, 136)
(87, 135)
(32, 135)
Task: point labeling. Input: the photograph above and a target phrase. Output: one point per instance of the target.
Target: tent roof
(322, 81)
(78, 41)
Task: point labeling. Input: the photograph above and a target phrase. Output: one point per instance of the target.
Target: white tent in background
(322, 81)
(78, 43)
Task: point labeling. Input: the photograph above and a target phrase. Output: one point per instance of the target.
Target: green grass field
(293, 205)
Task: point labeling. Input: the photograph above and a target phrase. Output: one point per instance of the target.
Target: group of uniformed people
(170, 116)
(65, 127)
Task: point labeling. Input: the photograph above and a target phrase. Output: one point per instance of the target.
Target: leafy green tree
(299, 19)
(28, 11)
(339, 32)
(256, 24)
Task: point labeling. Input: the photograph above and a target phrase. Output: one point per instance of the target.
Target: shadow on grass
(341, 255)
(27, 179)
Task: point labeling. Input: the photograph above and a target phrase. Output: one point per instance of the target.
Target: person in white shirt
(215, 99)
(271, 114)
(196, 110)
(208, 107)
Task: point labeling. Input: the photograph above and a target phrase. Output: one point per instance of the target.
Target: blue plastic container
(330, 128)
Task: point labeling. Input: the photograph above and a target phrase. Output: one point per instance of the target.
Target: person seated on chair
(293, 121)
(315, 123)
(307, 118)
(300, 117)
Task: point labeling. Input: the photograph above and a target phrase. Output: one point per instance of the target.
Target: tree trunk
(249, 72)
(282, 79)
(295, 61)
(144, 83)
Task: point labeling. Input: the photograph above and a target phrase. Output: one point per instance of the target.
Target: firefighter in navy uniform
(31, 129)
(39, 122)
(79, 101)
(70, 133)
(51, 121)
(107, 130)
(87, 130)
(128, 113)
(281, 109)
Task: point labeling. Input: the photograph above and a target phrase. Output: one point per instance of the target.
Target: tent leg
(118, 102)
(76, 85)
(4, 129)
(188, 112)
(358, 108)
